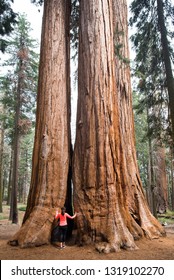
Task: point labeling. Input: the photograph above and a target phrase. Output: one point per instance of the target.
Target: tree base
(104, 247)
(36, 230)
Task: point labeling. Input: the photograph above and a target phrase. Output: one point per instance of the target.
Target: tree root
(36, 230)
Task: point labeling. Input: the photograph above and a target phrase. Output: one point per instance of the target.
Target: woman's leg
(61, 235)
(64, 236)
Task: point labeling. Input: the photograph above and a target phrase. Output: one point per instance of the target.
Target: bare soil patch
(157, 249)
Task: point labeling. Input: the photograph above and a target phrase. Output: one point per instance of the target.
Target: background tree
(161, 5)
(141, 127)
(151, 72)
(8, 20)
(1, 159)
(19, 88)
(149, 63)
(5, 87)
(171, 177)
(161, 180)
(25, 166)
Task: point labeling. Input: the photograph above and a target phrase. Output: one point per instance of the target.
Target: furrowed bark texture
(108, 191)
(52, 138)
(135, 196)
(161, 181)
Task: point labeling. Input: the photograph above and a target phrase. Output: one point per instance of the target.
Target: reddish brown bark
(161, 181)
(1, 162)
(52, 137)
(131, 173)
(108, 190)
(172, 177)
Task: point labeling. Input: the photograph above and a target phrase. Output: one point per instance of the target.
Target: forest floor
(156, 249)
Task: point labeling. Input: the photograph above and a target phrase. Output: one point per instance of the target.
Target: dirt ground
(157, 249)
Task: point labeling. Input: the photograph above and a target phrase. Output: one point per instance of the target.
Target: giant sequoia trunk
(107, 186)
(52, 138)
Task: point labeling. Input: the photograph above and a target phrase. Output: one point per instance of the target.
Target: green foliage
(6, 210)
(7, 99)
(151, 101)
(149, 65)
(22, 208)
(140, 119)
(170, 213)
(7, 21)
(3, 217)
(21, 75)
(74, 26)
(25, 164)
(20, 50)
(164, 220)
(37, 2)
(168, 217)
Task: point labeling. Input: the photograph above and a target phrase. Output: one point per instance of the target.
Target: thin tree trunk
(172, 177)
(26, 178)
(52, 137)
(5, 184)
(23, 176)
(108, 192)
(152, 178)
(1, 165)
(16, 143)
(10, 180)
(167, 61)
(161, 180)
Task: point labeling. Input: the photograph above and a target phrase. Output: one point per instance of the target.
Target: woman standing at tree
(63, 225)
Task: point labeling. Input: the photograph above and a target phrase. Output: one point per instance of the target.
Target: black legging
(62, 233)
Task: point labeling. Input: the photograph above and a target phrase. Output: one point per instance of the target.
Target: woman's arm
(71, 217)
(57, 215)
